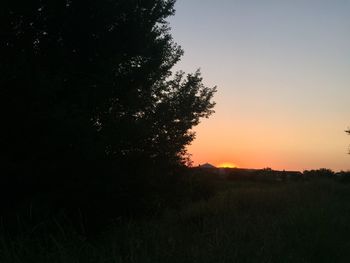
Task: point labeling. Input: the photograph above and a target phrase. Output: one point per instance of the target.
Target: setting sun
(227, 165)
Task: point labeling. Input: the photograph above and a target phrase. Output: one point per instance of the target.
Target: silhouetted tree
(91, 80)
(323, 172)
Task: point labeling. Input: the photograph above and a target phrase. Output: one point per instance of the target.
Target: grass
(306, 221)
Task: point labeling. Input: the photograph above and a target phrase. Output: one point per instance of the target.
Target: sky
(282, 70)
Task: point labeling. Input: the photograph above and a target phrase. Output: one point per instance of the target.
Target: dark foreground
(304, 221)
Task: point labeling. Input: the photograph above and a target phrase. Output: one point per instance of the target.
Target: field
(246, 221)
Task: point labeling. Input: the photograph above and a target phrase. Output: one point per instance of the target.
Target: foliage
(323, 172)
(343, 176)
(88, 79)
(89, 102)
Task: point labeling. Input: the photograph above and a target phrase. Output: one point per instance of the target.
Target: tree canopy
(91, 80)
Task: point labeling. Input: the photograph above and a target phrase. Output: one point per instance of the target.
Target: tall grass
(246, 222)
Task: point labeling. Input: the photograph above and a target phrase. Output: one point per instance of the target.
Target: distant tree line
(268, 174)
(91, 111)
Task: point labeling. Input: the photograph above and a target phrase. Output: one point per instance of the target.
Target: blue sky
(283, 74)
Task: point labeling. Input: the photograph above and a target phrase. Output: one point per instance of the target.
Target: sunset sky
(282, 69)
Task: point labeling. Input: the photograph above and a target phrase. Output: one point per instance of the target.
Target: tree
(91, 80)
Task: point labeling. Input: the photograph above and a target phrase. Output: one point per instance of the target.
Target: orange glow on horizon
(227, 165)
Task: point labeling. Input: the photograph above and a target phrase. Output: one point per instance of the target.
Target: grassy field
(305, 221)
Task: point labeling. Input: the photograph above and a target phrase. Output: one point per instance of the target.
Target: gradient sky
(283, 74)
